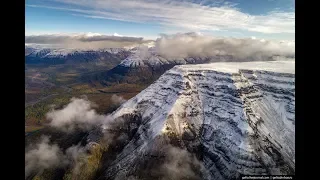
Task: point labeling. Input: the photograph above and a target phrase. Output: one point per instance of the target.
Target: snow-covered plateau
(238, 118)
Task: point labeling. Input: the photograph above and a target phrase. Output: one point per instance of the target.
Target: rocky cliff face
(233, 118)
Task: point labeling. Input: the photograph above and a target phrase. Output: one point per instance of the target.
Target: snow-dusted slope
(38, 53)
(64, 55)
(147, 56)
(240, 116)
(116, 50)
(64, 52)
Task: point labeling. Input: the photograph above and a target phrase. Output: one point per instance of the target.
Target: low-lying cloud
(164, 161)
(84, 41)
(79, 113)
(45, 155)
(117, 100)
(180, 164)
(77, 157)
(194, 45)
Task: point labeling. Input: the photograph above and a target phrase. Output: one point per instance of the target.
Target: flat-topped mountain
(235, 118)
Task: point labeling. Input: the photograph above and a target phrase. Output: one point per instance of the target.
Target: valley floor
(46, 88)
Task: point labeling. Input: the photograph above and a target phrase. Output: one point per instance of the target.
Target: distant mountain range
(145, 65)
(139, 64)
(73, 56)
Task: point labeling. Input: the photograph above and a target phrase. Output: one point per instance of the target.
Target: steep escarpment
(228, 119)
(131, 75)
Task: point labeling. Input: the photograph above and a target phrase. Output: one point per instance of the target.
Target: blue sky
(268, 19)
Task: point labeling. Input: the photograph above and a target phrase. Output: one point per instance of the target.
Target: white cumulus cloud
(79, 113)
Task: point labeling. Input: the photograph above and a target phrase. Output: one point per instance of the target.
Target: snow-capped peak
(90, 34)
(116, 34)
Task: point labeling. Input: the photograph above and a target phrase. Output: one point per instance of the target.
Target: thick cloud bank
(191, 44)
(179, 45)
